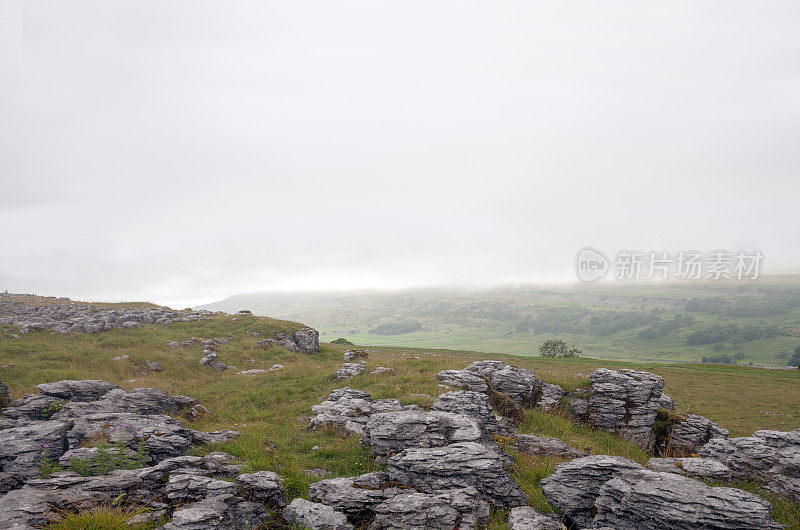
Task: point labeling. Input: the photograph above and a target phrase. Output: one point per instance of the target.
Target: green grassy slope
(756, 322)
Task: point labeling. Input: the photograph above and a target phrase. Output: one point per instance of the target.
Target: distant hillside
(756, 322)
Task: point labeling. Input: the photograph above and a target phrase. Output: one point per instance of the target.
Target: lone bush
(558, 348)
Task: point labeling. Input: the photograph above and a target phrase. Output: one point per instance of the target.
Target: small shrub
(51, 409)
(48, 465)
(342, 341)
(558, 348)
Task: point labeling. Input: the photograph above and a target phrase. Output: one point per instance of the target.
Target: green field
(755, 322)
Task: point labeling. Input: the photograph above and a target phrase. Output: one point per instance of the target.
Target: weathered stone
(461, 508)
(548, 396)
(348, 370)
(388, 433)
(22, 448)
(349, 409)
(574, 486)
(89, 390)
(187, 487)
(352, 355)
(709, 468)
(462, 379)
(153, 366)
(473, 404)
(265, 487)
(222, 512)
(667, 403)
(380, 370)
(252, 373)
(356, 497)
(605, 491)
(545, 446)
(307, 339)
(315, 516)
(458, 465)
(527, 518)
(691, 433)
(625, 402)
(649, 500)
(772, 457)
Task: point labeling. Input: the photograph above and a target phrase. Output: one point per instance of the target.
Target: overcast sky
(183, 151)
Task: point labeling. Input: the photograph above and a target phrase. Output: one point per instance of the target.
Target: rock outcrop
(304, 340)
(349, 370)
(691, 432)
(315, 516)
(459, 508)
(527, 518)
(388, 433)
(603, 491)
(625, 402)
(519, 384)
(349, 409)
(706, 468)
(455, 466)
(81, 318)
(772, 457)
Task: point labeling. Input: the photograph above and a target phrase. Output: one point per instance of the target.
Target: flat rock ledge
(349, 409)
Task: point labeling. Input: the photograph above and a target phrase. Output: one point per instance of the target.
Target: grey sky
(184, 151)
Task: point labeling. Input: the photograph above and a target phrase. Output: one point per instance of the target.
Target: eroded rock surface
(349, 409)
(527, 518)
(456, 466)
(625, 402)
(388, 433)
(692, 432)
(315, 516)
(81, 318)
(709, 468)
(349, 370)
(772, 457)
(545, 446)
(604, 491)
(460, 508)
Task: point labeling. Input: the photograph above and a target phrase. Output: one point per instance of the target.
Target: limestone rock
(315, 516)
(625, 402)
(709, 468)
(461, 508)
(455, 466)
(356, 497)
(527, 518)
(388, 433)
(649, 500)
(265, 487)
(348, 370)
(574, 486)
(772, 457)
(545, 446)
(462, 379)
(692, 432)
(605, 491)
(549, 396)
(349, 409)
(220, 512)
(89, 390)
(186, 487)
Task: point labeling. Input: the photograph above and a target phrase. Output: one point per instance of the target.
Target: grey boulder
(348, 370)
(527, 518)
(456, 466)
(315, 516)
(461, 508)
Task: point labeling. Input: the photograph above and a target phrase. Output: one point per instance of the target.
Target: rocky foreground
(444, 466)
(75, 445)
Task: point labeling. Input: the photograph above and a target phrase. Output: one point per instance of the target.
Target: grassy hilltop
(272, 410)
(754, 322)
